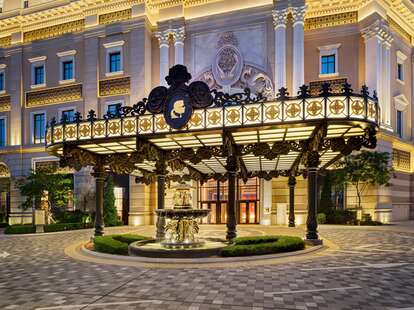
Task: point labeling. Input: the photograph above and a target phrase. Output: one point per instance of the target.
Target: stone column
(232, 199)
(377, 64)
(279, 22)
(163, 38)
(161, 176)
(311, 222)
(179, 36)
(292, 184)
(99, 174)
(386, 83)
(298, 77)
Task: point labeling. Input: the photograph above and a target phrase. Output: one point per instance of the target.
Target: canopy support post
(292, 184)
(100, 175)
(161, 176)
(231, 206)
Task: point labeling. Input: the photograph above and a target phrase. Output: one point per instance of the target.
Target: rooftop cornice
(65, 11)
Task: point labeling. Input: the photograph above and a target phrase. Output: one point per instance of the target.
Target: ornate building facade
(62, 57)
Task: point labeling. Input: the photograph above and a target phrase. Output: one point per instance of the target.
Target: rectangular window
(113, 109)
(328, 64)
(115, 62)
(1, 80)
(67, 70)
(400, 123)
(39, 75)
(400, 71)
(68, 115)
(39, 128)
(3, 130)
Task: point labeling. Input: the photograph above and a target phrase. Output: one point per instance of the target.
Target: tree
(363, 169)
(325, 202)
(58, 185)
(109, 209)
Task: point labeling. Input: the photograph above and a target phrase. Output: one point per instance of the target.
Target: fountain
(181, 231)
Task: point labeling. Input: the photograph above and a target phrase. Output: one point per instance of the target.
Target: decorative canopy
(192, 132)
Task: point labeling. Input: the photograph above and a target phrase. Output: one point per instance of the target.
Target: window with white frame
(3, 131)
(400, 103)
(114, 58)
(401, 57)
(67, 66)
(38, 71)
(38, 127)
(2, 78)
(328, 60)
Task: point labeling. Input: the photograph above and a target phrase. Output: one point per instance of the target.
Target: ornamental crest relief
(230, 73)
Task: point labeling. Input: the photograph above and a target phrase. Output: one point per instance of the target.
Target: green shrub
(20, 229)
(107, 244)
(76, 216)
(255, 240)
(116, 244)
(66, 226)
(335, 216)
(129, 238)
(3, 225)
(109, 209)
(321, 218)
(263, 245)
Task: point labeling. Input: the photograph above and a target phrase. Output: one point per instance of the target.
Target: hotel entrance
(213, 196)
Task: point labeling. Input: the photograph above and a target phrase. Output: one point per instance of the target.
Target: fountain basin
(154, 249)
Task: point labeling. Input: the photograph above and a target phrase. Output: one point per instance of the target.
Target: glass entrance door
(218, 212)
(248, 212)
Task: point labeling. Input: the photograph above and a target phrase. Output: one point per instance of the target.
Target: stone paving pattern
(359, 275)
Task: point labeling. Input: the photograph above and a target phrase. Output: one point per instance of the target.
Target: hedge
(247, 246)
(29, 229)
(116, 244)
(66, 226)
(20, 229)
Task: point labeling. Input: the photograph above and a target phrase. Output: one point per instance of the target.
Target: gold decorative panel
(5, 103)
(54, 31)
(116, 86)
(5, 41)
(401, 160)
(331, 20)
(336, 86)
(114, 17)
(398, 29)
(54, 95)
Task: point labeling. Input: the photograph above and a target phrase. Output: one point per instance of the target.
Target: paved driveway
(373, 269)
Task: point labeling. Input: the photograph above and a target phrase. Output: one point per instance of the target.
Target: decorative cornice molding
(66, 53)
(37, 59)
(331, 20)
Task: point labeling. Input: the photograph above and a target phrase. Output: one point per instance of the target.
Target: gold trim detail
(4, 170)
(5, 103)
(401, 160)
(5, 41)
(252, 114)
(114, 17)
(117, 86)
(331, 20)
(54, 95)
(335, 84)
(54, 31)
(398, 29)
(314, 108)
(336, 107)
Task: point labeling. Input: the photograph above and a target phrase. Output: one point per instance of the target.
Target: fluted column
(231, 168)
(100, 175)
(179, 36)
(378, 38)
(279, 22)
(163, 39)
(298, 78)
(312, 175)
(292, 184)
(387, 83)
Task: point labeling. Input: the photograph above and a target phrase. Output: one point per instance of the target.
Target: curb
(78, 251)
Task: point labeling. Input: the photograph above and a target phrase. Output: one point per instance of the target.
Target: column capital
(312, 159)
(292, 181)
(298, 14)
(279, 18)
(380, 30)
(178, 35)
(163, 37)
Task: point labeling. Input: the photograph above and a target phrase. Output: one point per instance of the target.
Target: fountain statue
(182, 227)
